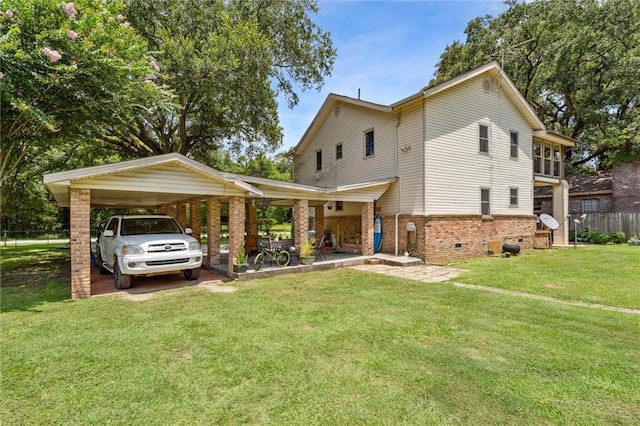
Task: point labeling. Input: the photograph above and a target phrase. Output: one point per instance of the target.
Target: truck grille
(167, 262)
(166, 247)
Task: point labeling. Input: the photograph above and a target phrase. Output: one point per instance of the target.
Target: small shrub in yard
(618, 237)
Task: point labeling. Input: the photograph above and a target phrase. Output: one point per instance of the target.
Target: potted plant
(241, 263)
(307, 251)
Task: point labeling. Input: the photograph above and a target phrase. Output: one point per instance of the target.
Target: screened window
(369, 144)
(485, 202)
(591, 205)
(514, 144)
(537, 157)
(483, 133)
(318, 160)
(338, 151)
(339, 206)
(513, 197)
(547, 158)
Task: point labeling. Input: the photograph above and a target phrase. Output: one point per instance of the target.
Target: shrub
(618, 237)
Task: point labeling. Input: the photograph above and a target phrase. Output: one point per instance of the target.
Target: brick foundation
(80, 241)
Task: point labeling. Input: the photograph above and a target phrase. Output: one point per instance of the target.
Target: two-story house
(464, 155)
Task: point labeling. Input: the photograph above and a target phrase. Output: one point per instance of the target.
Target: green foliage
(618, 237)
(598, 238)
(576, 62)
(307, 247)
(67, 77)
(241, 258)
(221, 58)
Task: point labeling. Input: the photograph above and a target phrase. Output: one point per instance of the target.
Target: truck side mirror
(107, 233)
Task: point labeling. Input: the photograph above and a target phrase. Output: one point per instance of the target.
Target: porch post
(213, 231)
(252, 228)
(367, 229)
(560, 212)
(301, 220)
(181, 214)
(195, 219)
(80, 241)
(236, 229)
(171, 210)
(319, 221)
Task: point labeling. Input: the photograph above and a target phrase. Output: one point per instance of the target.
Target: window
(537, 157)
(591, 205)
(547, 158)
(318, 160)
(368, 144)
(513, 197)
(483, 132)
(514, 144)
(338, 151)
(485, 202)
(338, 205)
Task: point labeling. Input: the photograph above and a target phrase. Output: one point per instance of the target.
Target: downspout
(399, 180)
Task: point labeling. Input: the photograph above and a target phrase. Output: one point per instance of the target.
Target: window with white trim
(591, 205)
(485, 201)
(513, 197)
(318, 160)
(483, 138)
(514, 144)
(547, 158)
(369, 147)
(338, 151)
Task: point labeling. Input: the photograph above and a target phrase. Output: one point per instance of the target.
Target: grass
(608, 275)
(335, 347)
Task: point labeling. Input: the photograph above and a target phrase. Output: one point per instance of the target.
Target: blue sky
(386, 48)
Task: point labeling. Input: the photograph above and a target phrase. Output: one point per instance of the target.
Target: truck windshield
(156, 225)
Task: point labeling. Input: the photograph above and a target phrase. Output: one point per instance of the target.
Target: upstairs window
(514, 144)
(483, 143)
(338, 151)
(319, 160)
(485, 201)
(369, 144)
(547, 158)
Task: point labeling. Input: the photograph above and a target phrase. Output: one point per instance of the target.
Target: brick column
(162, 210)
(213, 231)
(367, 229)
(181, 214)
(195, 217)
(171, 210)
(301, 220)
(80, 240)
(319, 221)
(236, 229)
(252, 228)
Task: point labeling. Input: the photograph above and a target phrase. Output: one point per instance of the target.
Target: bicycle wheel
(283, 258)
(258, 261)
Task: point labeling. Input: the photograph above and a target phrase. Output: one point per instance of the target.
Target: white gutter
(399, 180)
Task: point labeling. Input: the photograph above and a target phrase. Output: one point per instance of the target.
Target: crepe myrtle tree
(69, 71)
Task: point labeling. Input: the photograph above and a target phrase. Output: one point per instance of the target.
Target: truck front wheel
(120, 280)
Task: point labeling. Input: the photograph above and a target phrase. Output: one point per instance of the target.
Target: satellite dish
(549, 221)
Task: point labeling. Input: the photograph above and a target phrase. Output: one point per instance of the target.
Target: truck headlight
(132, 250)
(194, 246)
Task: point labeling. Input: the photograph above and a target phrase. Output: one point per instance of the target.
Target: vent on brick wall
(457, 246)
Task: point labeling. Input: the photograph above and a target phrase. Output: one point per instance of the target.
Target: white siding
(455, 170)
(348, 128)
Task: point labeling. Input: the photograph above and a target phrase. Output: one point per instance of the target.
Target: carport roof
(171, 178)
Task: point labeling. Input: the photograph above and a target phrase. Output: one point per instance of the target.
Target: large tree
(577, 62)
(226, 62)
(69, 72)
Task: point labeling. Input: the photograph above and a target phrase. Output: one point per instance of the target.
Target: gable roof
(172, 178)
(493, 70)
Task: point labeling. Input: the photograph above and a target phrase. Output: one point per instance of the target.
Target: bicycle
(267, 248)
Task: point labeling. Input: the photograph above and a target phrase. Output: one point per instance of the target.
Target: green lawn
(334, 347)
(603, 274)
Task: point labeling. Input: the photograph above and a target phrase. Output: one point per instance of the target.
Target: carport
(170, 182)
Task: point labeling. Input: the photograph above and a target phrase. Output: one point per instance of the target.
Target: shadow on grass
(32, 276)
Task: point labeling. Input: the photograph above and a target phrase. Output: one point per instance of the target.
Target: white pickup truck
(146, 245)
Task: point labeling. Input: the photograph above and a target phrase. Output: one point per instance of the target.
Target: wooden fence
(607, 223)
